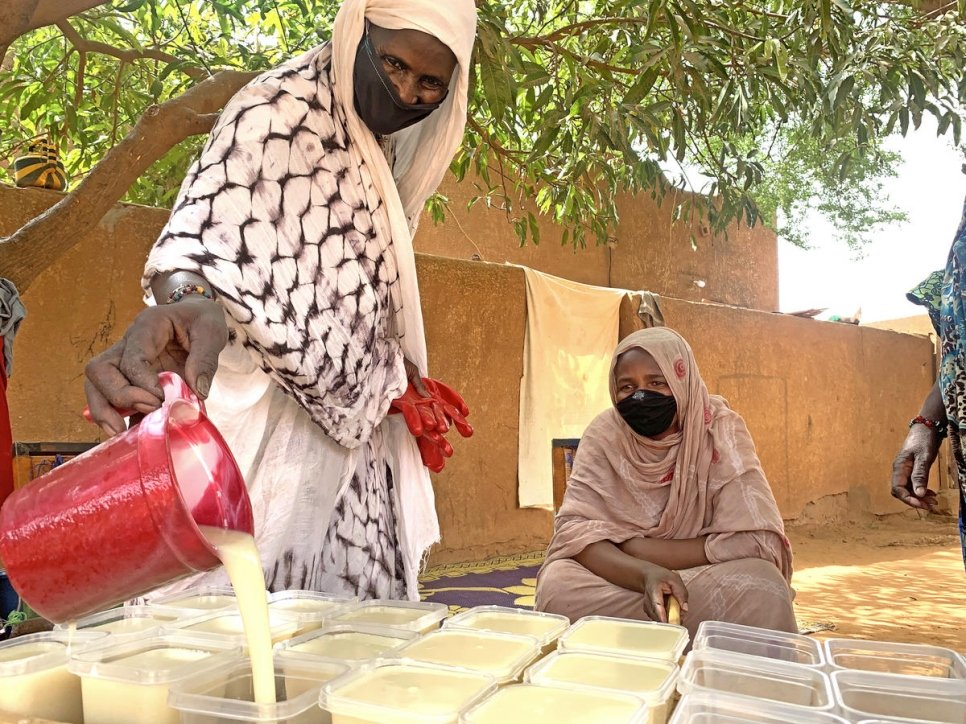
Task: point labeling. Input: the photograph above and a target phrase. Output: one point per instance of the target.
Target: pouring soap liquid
(239, 555)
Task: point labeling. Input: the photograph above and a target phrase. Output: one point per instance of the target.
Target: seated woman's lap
(748, 591)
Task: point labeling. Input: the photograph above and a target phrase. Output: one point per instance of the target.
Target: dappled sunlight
(912, 595)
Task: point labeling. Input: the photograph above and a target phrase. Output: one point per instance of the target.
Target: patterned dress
(281, 216)
(941, 293)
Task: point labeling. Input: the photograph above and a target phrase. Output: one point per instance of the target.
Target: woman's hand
(185, 337)
(910, 469)
(657, 584)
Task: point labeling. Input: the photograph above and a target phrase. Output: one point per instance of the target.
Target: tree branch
(32, 248)
(125, 55)
(15, 18)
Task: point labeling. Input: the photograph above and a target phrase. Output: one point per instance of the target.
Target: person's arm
(163, 285)
(910, 469)
(606, 560)
(673, 554)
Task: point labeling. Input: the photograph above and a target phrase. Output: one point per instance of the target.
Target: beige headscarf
(708, 473)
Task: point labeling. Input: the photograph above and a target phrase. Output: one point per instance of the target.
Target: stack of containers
(310, 609)
(35, 678)
(875, 680)
(604, 671)
(740, 673)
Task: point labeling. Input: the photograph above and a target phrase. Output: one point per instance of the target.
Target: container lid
(624, 636)
(409, 615)
(503, 656)
(40, 651)
(651, 679)
(200, 599)
(866, 695)
(718, 708)
(127, 620)
(752, 641)
(348, 642)
(891, 658)
(404, 691)
(227, 625)
(225, 692)
(558, 705)
(547, 627)
(161, 659)
(308, 606)
(755, 677)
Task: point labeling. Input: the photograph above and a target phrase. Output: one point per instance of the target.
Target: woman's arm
(910, 469)
(673, 554)
(606, 560)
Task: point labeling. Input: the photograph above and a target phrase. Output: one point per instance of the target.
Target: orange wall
(648, 252)
(827, 403)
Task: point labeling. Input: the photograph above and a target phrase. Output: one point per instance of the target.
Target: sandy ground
(898, 579)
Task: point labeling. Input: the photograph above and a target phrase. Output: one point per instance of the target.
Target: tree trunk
(31, 249)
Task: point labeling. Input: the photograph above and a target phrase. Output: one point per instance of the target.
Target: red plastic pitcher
(122, 519)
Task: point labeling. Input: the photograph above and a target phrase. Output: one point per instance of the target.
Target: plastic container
(653, 681)
(403, 692)
(864, 695)
(622, 636)
(546, 627)
(310, 608)
(348, 643)
(195, 601)
(227, 626)
(717, 708)
(34, 680)
(126, 621)
(128, 683)
(122, 518)
(225, 694)
(889, 658)
(415, 616)
(751, 641)
(502, 656)
(527, 703)
(709, 671)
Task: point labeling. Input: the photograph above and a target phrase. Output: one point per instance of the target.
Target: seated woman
(667, 498)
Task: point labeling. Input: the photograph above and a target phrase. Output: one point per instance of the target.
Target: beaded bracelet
(941, 428)
(186, 290)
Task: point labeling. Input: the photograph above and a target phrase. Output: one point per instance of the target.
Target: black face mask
(376, 99)
(648, 413)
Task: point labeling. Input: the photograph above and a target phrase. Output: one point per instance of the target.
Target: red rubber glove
(422, 414)
(434, 449)
(452, 404)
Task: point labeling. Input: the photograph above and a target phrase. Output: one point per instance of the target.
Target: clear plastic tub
(34, 677)
(708, 671)
(124, 621)
(197, 600)
(127, 683)
(415, 616)
(502, 656)
(717, 708)
(864, 695)
(889, 658)
(227, 625)
(751, 641)
(403, 692)
(348, 643)
(225, 694)
(528, 703)
(651, 680)
(311, 609)
(546, 627)
(622, 636)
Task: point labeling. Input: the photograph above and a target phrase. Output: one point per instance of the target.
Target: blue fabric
(942, 294)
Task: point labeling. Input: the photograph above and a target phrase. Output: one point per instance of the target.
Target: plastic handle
(174, 388)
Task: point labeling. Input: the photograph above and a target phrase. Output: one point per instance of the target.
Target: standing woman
(284, 289)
